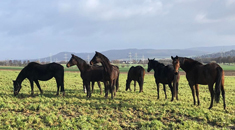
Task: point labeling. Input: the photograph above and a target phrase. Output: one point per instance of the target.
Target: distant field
(122, 69)
(129, 109)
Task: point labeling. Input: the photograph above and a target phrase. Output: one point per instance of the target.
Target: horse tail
(218, 83)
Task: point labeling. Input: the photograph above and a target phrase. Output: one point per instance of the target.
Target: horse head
(17, 87)
(96, 58)
(72, 61)
(150, 64)
(176, 64)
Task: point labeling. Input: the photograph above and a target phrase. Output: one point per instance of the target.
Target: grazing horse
(93, 73)
(111, 73)
(34, 72)
(197, 73)
(165, 75)
(137, 74)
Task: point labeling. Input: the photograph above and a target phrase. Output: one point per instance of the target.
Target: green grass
(129, 109)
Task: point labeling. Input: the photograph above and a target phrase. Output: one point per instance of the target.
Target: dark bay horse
(137, 74)
(197, 73)
(34, 72)
(164, 74)
(88, 73)
(111, 73)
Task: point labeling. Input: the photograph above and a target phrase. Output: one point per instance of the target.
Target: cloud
(230, 2)
(88, 25)
(113, 10)
(202, 18)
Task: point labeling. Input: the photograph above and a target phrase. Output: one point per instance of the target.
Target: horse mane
(158, 63)
(82, 63)
(78, 59)
(194, 62)
(105, 61)
(103, 57)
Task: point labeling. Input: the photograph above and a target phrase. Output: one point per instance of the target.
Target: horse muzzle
(176, 73)
(68, 65)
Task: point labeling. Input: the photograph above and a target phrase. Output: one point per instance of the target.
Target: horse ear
(153, 58)
(148, 59)
(172, 57)
(72, 55)
(176, 57)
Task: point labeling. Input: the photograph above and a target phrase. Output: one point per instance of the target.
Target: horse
(137, 74)
(164, 74)
(88, 73)
(197, 73)
(111, 73)
(35, 71)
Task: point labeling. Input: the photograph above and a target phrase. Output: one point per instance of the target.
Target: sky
(39, 28)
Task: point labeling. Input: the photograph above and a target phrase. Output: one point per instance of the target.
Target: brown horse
(111, 73)
(164, 74)
(197, 73)
(137, 74)
(93, 73)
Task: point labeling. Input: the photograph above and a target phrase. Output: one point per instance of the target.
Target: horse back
(135, 73)
(95, 73)
(203, 74)
(43, 72)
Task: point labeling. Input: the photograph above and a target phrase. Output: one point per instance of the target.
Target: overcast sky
(38, 28)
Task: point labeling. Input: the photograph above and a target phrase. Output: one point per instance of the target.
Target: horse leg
(197, 93)
(141, 83)
(157, 90)
(164, 89)
(177, 85)
(114, 87)
(134, 85)
(111, 88)
(223, 94)
(106, 87)
(37, 83)
(93, 83)
(193, 92)
(212, 94)
(31, 84)
(89, 89)
(172, 91)
(84, 88)
(99, 87)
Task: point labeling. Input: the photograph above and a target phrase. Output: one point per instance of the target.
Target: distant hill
(214, 49)
(219, 54)
(124, 54)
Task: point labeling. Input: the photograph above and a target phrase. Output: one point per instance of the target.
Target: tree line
(227, 59)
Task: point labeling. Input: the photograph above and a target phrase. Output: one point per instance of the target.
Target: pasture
(128, 110)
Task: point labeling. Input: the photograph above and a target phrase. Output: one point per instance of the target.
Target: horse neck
(155, 68)
(21, 76)
(82, 65)
(107, 66)
(187, 65)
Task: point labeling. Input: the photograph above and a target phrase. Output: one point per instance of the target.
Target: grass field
(129, 110)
